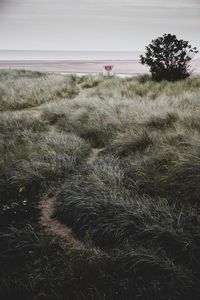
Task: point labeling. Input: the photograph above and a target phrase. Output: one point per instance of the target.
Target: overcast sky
(95, 24)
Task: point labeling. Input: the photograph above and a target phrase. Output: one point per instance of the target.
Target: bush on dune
(168, 58)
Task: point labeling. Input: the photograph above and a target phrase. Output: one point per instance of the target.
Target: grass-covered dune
(134, 208)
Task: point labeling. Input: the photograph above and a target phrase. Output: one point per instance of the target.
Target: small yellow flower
(21, 189)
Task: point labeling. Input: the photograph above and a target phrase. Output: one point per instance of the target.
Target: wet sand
(129, 67)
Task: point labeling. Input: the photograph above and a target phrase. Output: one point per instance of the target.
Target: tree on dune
(168, 58)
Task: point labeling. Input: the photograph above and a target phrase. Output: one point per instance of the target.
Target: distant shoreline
(76, 66)
(86, 66)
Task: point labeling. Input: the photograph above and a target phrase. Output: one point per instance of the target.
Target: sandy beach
(126, 67)
(76, 66)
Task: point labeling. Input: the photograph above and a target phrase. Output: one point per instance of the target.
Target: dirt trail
(51, 224)
(46, 206)
(46, 203)
(94, 153)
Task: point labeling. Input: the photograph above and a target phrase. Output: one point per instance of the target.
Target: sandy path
(46, 206)
(46, 203)
(94, 153)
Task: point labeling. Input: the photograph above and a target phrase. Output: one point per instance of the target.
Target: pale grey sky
(95, 24)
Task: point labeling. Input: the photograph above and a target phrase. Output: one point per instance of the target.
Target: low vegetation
(135, 208)
(24, 89)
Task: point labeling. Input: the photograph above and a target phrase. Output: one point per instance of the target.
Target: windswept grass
(29, 89)
(31, 161)
(135, 207)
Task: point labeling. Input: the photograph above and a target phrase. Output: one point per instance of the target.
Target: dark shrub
(168, 58)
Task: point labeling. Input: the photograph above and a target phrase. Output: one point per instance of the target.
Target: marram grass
(135, 207)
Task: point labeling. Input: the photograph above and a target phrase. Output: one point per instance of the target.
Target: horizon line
(71, 50)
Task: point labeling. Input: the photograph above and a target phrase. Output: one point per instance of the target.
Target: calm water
(67, 55)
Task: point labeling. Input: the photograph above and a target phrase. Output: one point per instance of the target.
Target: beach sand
(126, 67)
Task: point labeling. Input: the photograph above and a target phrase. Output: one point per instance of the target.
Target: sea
(68, 55)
